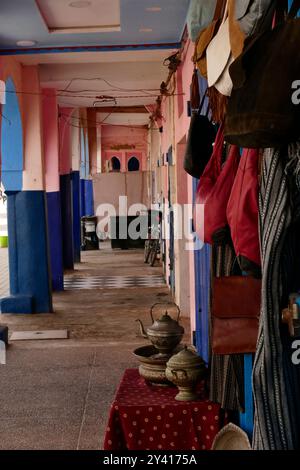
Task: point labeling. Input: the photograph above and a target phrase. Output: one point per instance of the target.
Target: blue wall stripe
(247, 418)
(71, 49)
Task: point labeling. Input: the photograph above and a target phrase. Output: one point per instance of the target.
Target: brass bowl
(153, 364)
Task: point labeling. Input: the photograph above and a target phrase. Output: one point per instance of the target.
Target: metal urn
(185, 370)
(165, 333)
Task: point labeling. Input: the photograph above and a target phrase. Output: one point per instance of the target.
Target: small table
(147, 417)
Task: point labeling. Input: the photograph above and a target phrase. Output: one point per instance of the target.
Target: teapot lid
(166, 324)
(185, 358)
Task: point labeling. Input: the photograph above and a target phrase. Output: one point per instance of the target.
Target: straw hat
(231, 437)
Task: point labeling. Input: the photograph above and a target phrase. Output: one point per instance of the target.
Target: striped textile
(276, 381)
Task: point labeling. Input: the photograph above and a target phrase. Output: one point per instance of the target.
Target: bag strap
(218, 150)
(294, 9)
(205, 95)
(219, 11)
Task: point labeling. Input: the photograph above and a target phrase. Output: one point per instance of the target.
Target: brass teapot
(165, 333)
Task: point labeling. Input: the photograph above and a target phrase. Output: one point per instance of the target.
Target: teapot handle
(164, 303)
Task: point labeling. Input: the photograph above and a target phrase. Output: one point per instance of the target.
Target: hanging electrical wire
(115, 87)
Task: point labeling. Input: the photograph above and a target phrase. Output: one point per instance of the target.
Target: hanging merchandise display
(206, 36)
(277, 420)
(235, 312)
(261, 115)
(242, 209)
(226, 371)
(219, 57)
(214, 190)
(202, 134)
(199, 16)
(250, 14)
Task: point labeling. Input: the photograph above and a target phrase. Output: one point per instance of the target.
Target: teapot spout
(142, 329)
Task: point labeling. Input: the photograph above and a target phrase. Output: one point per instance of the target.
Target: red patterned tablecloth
(145, 417)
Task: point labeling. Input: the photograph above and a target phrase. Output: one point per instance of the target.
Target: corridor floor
(57, 394)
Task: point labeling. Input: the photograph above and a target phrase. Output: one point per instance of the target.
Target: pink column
(65, 154)
(51, 139)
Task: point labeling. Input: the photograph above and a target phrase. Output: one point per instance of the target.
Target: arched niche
(133, 164)
(115, 164)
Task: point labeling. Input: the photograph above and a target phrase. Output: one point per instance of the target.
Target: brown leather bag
(206, 36)
(236, 304)
(261, 111)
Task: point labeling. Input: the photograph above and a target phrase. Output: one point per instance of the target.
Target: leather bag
(242, 208)
(236, 302)
(200, 15)
(219, 57)
(201, 136)
(214, 190)
(205, 38)
(261, 111)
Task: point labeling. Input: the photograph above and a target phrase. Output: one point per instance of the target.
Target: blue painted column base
(67, 221)
(17, 304)
(29, 259)
(76, 215)
(55, 240)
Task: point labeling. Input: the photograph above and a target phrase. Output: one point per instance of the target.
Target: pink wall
(116, 141)
(182, 120)
(51, 139)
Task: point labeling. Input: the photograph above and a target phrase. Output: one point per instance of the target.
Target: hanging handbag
(200, 15)
(249, 14)
(201, 136)
(205, 38)
(219, 57)
(242, 208)
(214, 190)
(261, 111)
(236, 302)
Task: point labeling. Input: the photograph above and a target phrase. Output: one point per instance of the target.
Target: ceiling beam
(122, 109)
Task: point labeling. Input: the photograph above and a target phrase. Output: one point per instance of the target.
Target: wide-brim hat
(231, 437)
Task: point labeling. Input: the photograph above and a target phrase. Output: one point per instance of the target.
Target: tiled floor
(4, 274)
(57, 394)
(112, 282)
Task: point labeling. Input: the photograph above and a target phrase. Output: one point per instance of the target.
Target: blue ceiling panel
(20, 20)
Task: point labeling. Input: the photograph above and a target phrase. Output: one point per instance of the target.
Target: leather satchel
(214, 190)
(236, 302)
(205, 38)
(242, 208)
(202, 134)
(261, 111)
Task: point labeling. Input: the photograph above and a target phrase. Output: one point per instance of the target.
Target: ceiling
(132, 80)
(109, 47)
(56, 24)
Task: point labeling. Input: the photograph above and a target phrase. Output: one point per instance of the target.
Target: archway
(11, 173)
(116, 164)
(133, 164)
(11, 140)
